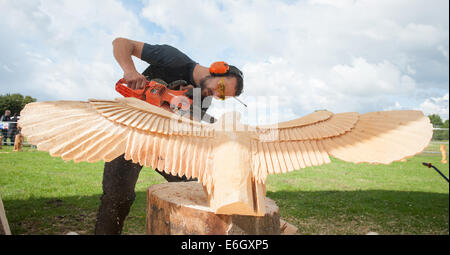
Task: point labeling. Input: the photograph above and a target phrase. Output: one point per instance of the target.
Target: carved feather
(227, 154)
(378, 137)
(105, 129)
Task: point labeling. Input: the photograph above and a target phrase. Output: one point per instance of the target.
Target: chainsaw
(156, 93)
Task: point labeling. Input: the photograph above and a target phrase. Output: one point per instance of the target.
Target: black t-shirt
(169, 64)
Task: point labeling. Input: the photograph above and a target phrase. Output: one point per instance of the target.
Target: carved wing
(105, 129)
(377, 137)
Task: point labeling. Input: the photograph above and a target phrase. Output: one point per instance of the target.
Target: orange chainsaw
(156, 93)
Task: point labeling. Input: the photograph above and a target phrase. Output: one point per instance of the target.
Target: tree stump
(183, 209)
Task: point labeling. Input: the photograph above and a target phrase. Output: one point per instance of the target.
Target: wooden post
(1, 142)
(444, 154)
(4, 227)
(183, 209)
(18, 141)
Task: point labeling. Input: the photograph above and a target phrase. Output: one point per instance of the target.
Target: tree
(436, 120)
(14, 102)
(437, 123)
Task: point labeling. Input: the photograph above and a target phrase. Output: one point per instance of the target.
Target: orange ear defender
(219, 68)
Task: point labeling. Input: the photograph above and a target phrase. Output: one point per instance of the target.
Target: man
(170, 65)
(5, 118)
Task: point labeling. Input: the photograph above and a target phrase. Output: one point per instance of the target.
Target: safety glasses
(221, 89)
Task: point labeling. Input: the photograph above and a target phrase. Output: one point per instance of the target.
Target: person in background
(12, 129)
(5, 118)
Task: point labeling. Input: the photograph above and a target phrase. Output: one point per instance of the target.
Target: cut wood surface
(183, 209)
(287, 228)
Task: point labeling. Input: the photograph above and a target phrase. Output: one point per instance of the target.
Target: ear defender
(219, 68)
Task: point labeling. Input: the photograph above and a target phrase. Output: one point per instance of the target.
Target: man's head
(7, 112)
(225, 81)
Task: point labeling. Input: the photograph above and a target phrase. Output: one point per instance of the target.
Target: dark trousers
(5, 136)
(119, 181)
(12, 136)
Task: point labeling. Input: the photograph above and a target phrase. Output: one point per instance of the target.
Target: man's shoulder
(164, 55)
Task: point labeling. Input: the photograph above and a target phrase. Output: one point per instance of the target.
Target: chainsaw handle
(124, 90)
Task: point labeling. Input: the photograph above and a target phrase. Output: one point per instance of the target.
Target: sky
(297, 56)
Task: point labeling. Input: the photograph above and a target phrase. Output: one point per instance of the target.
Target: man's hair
(235, 72)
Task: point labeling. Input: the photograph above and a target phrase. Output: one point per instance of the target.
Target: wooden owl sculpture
(230, 159)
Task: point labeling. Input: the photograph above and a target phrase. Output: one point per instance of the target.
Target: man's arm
(123, 49)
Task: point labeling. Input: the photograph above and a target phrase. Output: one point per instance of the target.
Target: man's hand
(123, 49)
(135, 80)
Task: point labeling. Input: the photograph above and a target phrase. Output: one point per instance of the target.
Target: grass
(45, 195)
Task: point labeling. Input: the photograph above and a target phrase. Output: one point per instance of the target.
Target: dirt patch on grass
(58, 225)
(334, 226)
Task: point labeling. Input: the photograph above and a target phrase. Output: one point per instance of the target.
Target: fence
(440, 137)
(8, 132)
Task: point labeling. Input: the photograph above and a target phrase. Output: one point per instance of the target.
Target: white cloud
(410, 70)
(363, 78)
(358, 51)
(343, 55)
(9, 70)
(335, 3)
(436, 105)
(443, 50)
(65, 49)
(420, 34)
(298, 94)
(396, 106)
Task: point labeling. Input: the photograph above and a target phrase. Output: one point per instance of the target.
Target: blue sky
(340, 55)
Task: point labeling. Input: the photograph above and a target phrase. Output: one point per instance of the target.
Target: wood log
(183, 209)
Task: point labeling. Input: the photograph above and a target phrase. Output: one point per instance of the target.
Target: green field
(45, 195)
